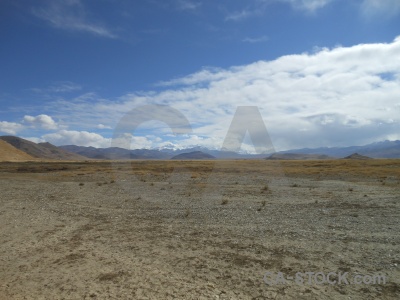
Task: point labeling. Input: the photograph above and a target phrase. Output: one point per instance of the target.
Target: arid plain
(198, 229)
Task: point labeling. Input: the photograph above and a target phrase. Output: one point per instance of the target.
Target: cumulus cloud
(102, 126)
(41, 121)
(79, 138)
(330, 97)
(85, 138)
(128, 140)
(10, 127)
(355, 88)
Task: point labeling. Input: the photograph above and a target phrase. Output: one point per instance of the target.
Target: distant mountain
(150, 154)
(386, 149)
(297, 156)
(98, 153)
(120, 153)
(10, 153)
(193, 155)
(357, 156)
(41, 150)
(116, 153)
(219, 154)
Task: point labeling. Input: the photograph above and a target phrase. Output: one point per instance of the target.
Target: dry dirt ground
(199, 230)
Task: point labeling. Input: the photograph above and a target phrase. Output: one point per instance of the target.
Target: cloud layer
(331, 97)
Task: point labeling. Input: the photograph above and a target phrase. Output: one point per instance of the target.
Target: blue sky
(322, 72)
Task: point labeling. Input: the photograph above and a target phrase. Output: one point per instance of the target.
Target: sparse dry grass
(115, 240)
(381, 169)
(376, 168)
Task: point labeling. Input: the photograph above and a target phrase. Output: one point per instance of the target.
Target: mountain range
(40, 150)
(297, 156)
(13, 148)
(120, 153)
(193, 155)
(385, 149)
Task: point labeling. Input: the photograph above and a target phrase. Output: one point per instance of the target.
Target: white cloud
(205, 75)
(85, 138)
(368, 8)
(101, 126)
(79, 138)
(241, 15)
(380, 8)
(59, 87)
(10, 127)
(260, 39)
(128, 140)
(70, 15)
(34, 139)
(332, 97)
(187, 5)
(41, 121)
(308, 5)
(345, 84)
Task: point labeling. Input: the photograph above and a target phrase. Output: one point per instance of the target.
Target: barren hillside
(10, 153)
(41, 150)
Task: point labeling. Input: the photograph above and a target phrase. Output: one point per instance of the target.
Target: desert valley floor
(198, 229)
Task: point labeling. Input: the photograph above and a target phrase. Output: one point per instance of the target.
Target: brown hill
(41, 150)
(193, 155)
(357, 156)
(297, 156)
(10, 153)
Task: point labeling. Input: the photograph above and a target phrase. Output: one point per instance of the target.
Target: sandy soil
(207, 230)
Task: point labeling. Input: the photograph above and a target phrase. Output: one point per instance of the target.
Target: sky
(321, 73)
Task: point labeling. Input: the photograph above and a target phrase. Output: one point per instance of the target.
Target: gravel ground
(116, 231)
